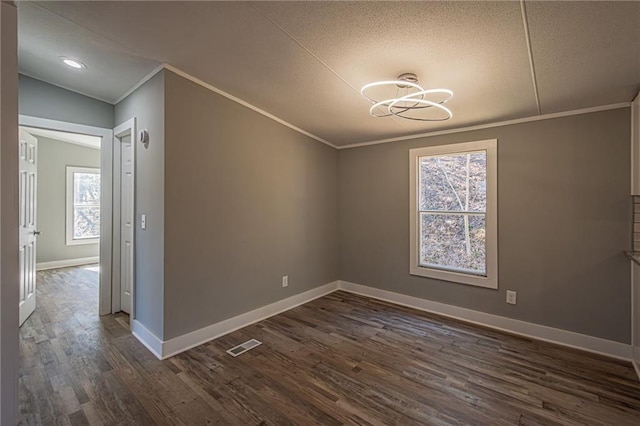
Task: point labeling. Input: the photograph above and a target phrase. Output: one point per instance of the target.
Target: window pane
(86, 222)
(448, 243)
(86, 188)
(445, 181)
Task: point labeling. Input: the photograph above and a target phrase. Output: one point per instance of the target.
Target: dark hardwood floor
(341, 359)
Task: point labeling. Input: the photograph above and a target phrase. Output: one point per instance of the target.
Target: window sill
(456, 277)
(83, 242)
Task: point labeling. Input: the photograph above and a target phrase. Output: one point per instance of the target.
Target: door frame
(126, 128)
(106, 195)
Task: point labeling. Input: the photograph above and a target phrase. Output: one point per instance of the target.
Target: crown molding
(212, 88)
(491, 125)
(142, 81)
(245, 104)
(373, 142)
(67, 88)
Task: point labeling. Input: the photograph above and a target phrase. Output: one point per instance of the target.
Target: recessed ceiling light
(72, 63)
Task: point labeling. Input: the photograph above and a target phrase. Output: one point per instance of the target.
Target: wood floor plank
(340, 359)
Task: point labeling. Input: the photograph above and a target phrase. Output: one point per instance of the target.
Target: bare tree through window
(452, 208)
(86, 205)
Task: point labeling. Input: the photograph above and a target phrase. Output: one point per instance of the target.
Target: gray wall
(242, 201)
(54, 157)
(147, 105)
(9, 275)
(247, 201)
(44, 100)
(564, 219)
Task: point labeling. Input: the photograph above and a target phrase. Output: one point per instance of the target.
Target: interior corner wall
(44, 100)
(55, 156)
(248, 201)
(564, 220)
(147, 105)
(9, 275)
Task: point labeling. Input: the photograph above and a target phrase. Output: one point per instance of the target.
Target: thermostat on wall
(143, 136)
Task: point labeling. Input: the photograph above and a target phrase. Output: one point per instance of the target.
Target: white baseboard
(147, 338)
(195, 338)
(66, 263)
(522, 328)
(168, 348)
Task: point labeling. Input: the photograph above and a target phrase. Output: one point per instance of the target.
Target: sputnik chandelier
(405, 98)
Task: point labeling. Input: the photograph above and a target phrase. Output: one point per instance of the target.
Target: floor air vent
(240, 349)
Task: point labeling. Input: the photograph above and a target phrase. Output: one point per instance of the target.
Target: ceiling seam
(288, 34)
(125, 47)
(313, 55)
(525, 22)
(189, 77)
(162, 64)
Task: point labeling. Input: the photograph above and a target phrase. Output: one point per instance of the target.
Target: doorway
(110, 208)
(124, 218)
(59, 193)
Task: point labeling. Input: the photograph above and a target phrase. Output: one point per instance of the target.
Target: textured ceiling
(43, 37)
(305, 62)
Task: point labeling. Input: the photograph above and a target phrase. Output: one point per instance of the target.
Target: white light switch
(143, 221)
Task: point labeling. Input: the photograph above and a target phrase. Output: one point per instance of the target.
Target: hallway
(67, 351)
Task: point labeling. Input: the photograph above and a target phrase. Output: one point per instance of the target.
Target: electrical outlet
(285, 281)
(511, 297)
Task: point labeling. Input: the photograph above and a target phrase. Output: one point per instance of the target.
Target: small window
(83, 205)
(454, 213)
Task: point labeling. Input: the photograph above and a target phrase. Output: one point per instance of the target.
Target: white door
(126, 222)
(27, 199)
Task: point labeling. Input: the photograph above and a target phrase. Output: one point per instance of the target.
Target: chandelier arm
(385, 102)
(422, 101)
(386, 83)
(423, 93)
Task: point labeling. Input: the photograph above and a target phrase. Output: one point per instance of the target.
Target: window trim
(70, 241)
(491, 280)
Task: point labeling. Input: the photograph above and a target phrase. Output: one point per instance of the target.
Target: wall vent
(240, 349)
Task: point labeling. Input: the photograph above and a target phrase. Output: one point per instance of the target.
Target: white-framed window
(453, 212)
(83, 205)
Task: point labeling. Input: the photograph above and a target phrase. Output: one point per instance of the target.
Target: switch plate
(285, 281)
(143, 221)
(511, 297)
